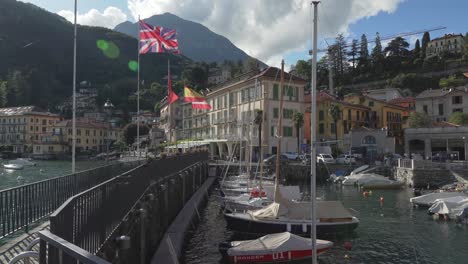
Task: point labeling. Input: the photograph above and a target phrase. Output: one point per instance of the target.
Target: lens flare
(133, 65)
(102, 44)
(112, 51)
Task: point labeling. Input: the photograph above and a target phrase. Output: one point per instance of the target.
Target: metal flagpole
(138, 92)
(74, 94)
(313, 135)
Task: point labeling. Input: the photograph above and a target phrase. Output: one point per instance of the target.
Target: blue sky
(385, 16)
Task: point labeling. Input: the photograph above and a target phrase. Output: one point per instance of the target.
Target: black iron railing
(90, 218)
(65, 250)
(23, 205)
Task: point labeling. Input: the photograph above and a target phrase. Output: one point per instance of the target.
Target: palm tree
(258, 121)
(298, 120)
(335, 113)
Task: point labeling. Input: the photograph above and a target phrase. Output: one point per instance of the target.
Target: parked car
(291, 155)
(305, 158)
(272, 159)
(345, 159)
(325, 158)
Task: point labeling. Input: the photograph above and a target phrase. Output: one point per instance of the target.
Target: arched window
(368, 140)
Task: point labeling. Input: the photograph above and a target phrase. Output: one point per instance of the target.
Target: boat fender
(288, 227)
(304, 228)
(347, 245)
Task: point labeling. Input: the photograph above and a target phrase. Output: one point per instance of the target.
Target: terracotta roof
(275, 73)
(323, 96)
(444, 124)
(402, 100)
(23, 110)
(381, 101)
(83, 124)
(446, 36)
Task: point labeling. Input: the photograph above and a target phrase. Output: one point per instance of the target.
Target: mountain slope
(196, 41)
(39, 44)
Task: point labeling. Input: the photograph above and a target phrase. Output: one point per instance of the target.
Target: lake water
(394, 232)
(43, 170)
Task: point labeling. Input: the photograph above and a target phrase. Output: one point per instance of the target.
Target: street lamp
(109, 107)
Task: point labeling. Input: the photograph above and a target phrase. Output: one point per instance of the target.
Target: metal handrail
(23, 205)
(52, 241)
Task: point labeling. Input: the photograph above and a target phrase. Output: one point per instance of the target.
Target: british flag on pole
(157, 39)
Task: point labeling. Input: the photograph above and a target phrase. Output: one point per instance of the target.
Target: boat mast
(240, 139)
(279, 130)
(313, 135)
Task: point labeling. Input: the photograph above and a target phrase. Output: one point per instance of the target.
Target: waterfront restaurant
(442, 138)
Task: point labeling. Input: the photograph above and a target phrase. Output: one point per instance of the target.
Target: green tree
(377, 56)
(303, 69)
(353, 53)
(3, 93)
(335, 113)
(451, 81)
(397, 52)
(363, 54)
(250, 64)
(298, 120)
(18, 89)
(416, 120)
(130, 133)
(340, 45)
(459, 118)
(425, 41)
(417, 50)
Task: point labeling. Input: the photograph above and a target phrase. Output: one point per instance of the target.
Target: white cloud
(111, 17)
(267, 29)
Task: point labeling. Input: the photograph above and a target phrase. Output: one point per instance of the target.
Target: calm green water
(392, 233)
(43, 170)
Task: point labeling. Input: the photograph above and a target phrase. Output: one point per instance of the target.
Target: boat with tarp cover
(272, 248)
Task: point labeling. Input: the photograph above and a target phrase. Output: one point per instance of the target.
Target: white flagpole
(138, 92)
(74, 94)
(313, 136)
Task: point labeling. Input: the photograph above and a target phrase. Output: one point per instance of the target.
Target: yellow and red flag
(198, 101)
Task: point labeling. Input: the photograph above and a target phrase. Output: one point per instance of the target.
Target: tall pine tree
(416, 50)
(377, 55)
(341, 53)
(363, 60)
(3, 93)
(425, 41)
(353, 53)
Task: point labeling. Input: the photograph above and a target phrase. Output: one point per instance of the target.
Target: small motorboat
(23, 162)
(11, 166)
(280, 247)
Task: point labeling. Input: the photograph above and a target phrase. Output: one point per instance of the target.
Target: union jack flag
(157, 39)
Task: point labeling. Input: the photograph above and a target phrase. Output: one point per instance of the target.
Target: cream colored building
(440, 104)
(234, 104)
(452, 43)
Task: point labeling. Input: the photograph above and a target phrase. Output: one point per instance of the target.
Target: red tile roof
(402, 100)
(444, 124)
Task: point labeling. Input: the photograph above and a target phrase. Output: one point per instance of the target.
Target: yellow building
(381, 114)
(91, 136)
(21, 128)
(351, 116)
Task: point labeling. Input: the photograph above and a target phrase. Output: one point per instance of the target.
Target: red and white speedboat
(280, 247)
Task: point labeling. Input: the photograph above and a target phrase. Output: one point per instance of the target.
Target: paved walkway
(17, 245)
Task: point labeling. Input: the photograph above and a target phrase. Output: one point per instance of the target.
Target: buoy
(365, 194)
(370, 192)
(382, 199)
(348, 245)
(346, 256)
